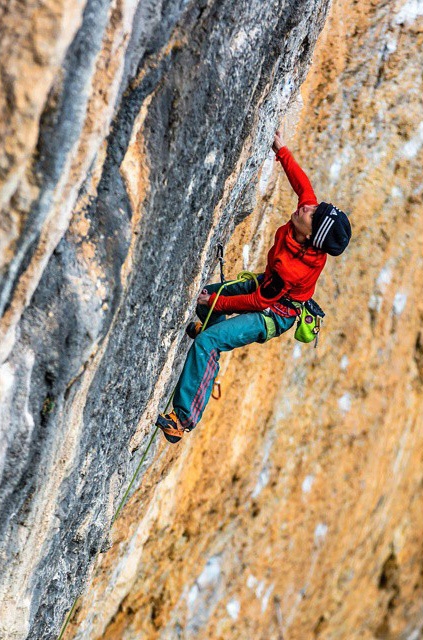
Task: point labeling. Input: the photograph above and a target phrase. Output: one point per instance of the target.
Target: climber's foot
(193, 329)
(170, 426)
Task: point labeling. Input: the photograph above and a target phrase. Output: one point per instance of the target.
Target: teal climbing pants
(195, 384)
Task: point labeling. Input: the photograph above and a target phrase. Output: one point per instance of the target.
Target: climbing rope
(68, 617)
(118, 510)
(241, 277)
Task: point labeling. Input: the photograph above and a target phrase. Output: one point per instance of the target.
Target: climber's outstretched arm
(296, 176)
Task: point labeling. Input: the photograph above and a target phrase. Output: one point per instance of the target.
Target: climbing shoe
(170, 426)
(193, 329)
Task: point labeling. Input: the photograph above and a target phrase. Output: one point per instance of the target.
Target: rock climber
(294, 264)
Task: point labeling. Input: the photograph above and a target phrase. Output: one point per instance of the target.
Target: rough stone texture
(132, 136)
(294, 510)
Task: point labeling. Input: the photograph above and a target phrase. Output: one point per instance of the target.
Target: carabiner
(217, 391)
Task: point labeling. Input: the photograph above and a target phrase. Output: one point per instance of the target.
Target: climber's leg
(202, 364)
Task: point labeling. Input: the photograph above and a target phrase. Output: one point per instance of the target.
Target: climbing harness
(270, 327)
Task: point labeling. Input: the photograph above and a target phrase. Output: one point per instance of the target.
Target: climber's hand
(277, 142)
(204, 297)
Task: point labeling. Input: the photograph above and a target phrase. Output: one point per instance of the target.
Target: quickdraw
(221, 261)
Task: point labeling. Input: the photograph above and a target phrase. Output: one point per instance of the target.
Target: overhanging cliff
(294, 509)
(132, 134)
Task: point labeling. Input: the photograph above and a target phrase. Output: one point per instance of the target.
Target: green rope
(69, 616)
(241, 277)
(125, 495)
(118, 510)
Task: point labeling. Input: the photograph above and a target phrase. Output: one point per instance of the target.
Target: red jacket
(291, 272)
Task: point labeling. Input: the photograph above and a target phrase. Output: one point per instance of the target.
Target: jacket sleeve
(297, 178)
(270, 291)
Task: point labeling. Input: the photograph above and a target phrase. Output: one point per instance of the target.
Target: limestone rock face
(294, 510)
(132, 137)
